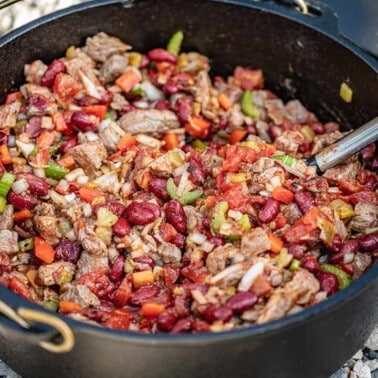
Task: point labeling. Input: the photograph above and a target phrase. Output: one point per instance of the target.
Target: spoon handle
(346, 146)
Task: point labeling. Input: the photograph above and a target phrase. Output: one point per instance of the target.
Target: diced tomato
(171, 275)
(119, 319)
(283, 195)
(16, 285)
(237, 135)
(97, 110)
(261, 286)
(246, 78)
(195, 272)
(365, 197)
(167, 231)
(122, 294)
(127, 80)
(98, 282)
(66, 87)
(235, 155)
(12, 97)
(126, 142)
(197, 127)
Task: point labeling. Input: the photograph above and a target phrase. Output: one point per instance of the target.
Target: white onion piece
(82, 180)
(109, 182)
(87, 210)
(197, 238)
(20, 186)
(182, 184)
(91, 136)
(39, 172)
(152, 93)
(147, 140)
(11, 140)
(348, 258)
(141, 104)
(26, 148)
(73, 175)
(198, 297)
(207, 246)
(250, 276)
(70, 198)
(89, 86)
(103, 125)
(229, 271)
(57, 198)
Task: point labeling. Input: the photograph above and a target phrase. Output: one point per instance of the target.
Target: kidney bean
(48, 78)
(274, 132)
(121, 227)
(368, 152)
(83, 121)
(158, 186)
(184, 108)
(336, 244)
(242, 301)
(304, 201)
(369, 242)
(311, 264)
(144, 62)
(318, 128)
(179, 241)
(297, 250)
(141, 295)
(216, 240)
(351, 246)
(39, 101)
(141, 213)
(115, 207)
(182, 326)
(182, 306)
(145, 260)
(364, 196)
(23, 201)
(163, 105)
(68, 144)
(116, 271)
(33, 127)
(328, 283)
(175, 215)
(162, 55)
(36, 184)
(166, 320)
(269, 212)
(187, 148)
(371, 183)
(197, 173)
(68, 250)
(178, 83)
(214, 313)
(200, 326)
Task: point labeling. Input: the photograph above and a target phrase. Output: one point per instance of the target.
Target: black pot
(302, 56)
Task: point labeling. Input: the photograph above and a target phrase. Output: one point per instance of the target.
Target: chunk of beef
(8, 241)
(101, 46)
(231, 275)
(236, 117)
(81, 62)
(254, 242)
(220, 257)
(202, 89)
(91, 243)
(276, 111)
(324, 140)
(57, 273)
(148, 121)
(8, 114)
(6, 218)
(346, 171)
(90, 263)
(41, 100)
(34, 71)
(298, 113)
(170, 253)
(194, 63)
(81, 295)
(361, 262)
(47, 227)
(366, 217)
(289, 141)
(262, 131)
(89, 156)
(114, 67)
(111, 135)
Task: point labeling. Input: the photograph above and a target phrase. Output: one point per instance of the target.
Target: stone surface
(341, 373)
(372, 343)
(373, 364)
(362, 370)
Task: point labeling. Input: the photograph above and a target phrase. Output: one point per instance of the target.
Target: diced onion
(147, 140)
(73, 175)
(70, 197)
(152, 93)
(90, 86)
(103, 125)
(26, 148)
(11, 140)
(141, 104)
(20, 186)
(250, 276)
(197, 238)
(91, 136)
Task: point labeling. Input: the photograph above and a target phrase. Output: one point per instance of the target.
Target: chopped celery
(285, 159)
(55, 171)
(26, 245)
(346, 92)
(51, 305)
(6, 183)
(171, 188)
(174, 44)
(343, 278)
(198, 143)
(245, 223)
(3, 202)
(187, 198)
(248, 106)
(109, 115)
(295, 264)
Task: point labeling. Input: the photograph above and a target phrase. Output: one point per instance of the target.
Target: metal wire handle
(7, 3)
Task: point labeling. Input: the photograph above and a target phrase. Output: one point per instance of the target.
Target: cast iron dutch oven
(302, 56)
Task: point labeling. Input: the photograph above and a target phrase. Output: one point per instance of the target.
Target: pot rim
(322, 309)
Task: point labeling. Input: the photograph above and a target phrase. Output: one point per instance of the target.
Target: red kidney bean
(175, 215)
(369, 242)
(68, 144)
(182, 326)
(144, 62)
(178, 83)
(297, 250)
(23, 201)
(371, 183)
(166, 320)
(39, 101)
(189, 286)
(318, 128)
(269, 212)
(158, 186)
(162, 55)
(36, 184)
(82, 121)
(68, 250)
(184, 108)
(368, 152)
(187, 148)
(48, 78)
(163, 105)
(200, 326)
(311, 264)
(336, 244)
(242, 301)
(115, 207)
(216, 240)
(106, 98)
(365, 196)
(145, 260)
(116, 271)
(33, 127)
(121, 227)
(304, 201)
(328, 283)
(214, 313)
(141, 213)
(179, 241)
(182, 306)
(141, 295)
(274, 132)
(351, 246)
(197, 173)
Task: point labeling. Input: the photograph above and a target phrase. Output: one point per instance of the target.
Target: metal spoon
(345, 147)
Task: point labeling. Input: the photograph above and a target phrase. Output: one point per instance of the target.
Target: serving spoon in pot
(345, 147)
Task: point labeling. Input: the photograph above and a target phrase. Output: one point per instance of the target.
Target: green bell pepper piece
(3, 202)
(26, 245)
(174, 44)
(55, 171)
(187, 198)
(248, 106)
(245, 223)
(343, 278)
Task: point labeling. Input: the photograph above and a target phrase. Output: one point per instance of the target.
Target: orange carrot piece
(43, 250)
(67, 162)
(146, 277)
(283, 195)
(152, 310)
(22, 215)
(88, 194)
(276, 243)
(198, 127)
(146, 178)
(237, 135)
(126, 142)
(97, 110)
(68, 306)
(45, 140)
(127, 80)
(59, 122)
(6, 157)
(224, 101)
(171, 141)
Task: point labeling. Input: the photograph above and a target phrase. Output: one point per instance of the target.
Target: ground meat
(89, 156)
(57, 273)
(34, 71)
(170, 253)
(254, 242)
(289, 141)
(73, 213)
(292, 212)
(342, 172)
(81, 295)
(220, 257)
(111, 135)
(361, 262)
(8, 241)
(6, 218)
(89, 262)
(366, 217)
(298, 113)
(101, 46)
(8, 114)
(91, 243)
(148, 121)
(114, 67)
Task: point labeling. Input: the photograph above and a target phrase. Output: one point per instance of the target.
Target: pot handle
(28, 325)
